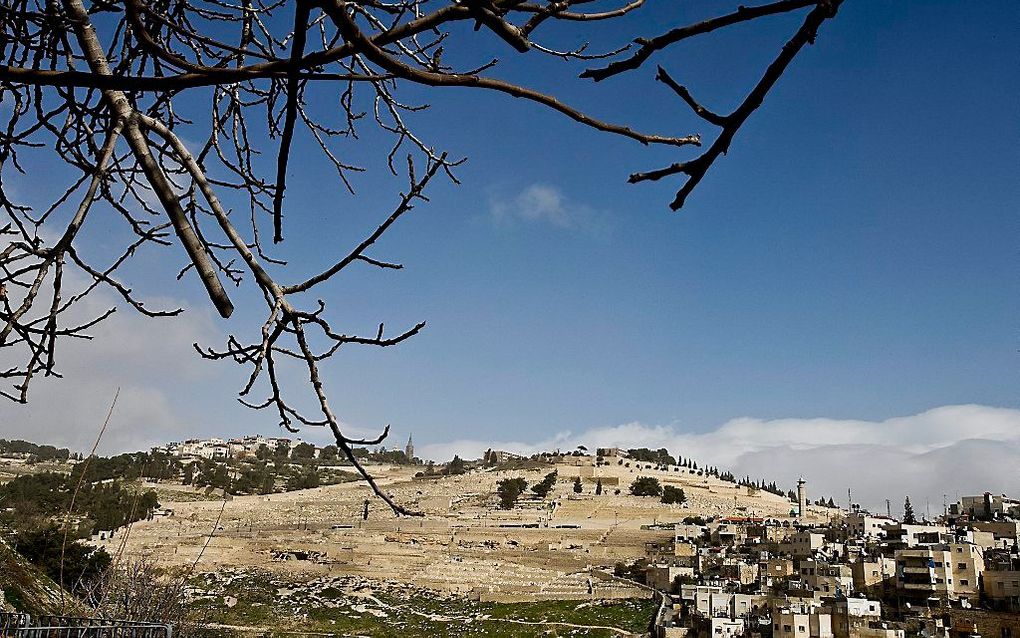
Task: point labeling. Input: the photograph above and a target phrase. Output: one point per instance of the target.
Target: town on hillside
(672, 546)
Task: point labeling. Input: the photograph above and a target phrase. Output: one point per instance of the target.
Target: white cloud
(167, 391)
(545, 204)
(153, 363)
(950, 450)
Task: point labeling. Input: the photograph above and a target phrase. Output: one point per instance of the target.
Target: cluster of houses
(248, 447)
(222, 449)
(857, 576)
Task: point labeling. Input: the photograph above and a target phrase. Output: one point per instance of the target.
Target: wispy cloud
(950, 450)
(547, 204)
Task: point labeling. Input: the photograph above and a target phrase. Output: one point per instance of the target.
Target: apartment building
(947, 572)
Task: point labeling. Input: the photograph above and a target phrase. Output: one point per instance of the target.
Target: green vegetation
(264, 474)
(456, 466)
(578, 488)
(396, 457)
(509, 490)
(766, 487)
(542, 489)
(306, 479)
(646, 486)
(659, 457)
(908, 513)
(406, 613)
(32, 501)
(135, 465)
(83, 564)
(672, 494)
(33, 451)
(27, 588)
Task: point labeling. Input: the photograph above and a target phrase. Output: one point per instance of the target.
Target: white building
(802, 622)
(862, 525)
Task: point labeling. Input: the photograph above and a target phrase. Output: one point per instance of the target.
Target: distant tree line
(156, 466)
(34, 501)
(257, 476)
(39, 452)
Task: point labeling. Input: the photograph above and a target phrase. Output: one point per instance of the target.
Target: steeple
(409, 448)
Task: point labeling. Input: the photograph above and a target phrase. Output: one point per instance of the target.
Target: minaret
(801, 498)
(409, 449)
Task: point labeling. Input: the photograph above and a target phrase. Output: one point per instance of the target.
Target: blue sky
(855, 256)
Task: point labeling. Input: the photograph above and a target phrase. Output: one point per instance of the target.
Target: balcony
(917, 569)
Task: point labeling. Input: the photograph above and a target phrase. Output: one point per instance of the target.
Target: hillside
(542, 548)
(27, 589)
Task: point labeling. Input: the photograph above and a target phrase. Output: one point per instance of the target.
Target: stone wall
(990, 624)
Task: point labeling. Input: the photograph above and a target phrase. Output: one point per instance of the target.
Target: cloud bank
(152, 362)
(947, 451)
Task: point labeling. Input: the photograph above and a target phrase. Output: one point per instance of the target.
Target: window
(961, 565)
(964, 582)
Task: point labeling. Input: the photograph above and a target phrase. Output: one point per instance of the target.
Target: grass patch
(269, 607)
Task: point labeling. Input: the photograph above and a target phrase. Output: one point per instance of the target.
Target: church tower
(409, 449)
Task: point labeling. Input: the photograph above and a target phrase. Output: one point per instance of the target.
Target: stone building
(947, 572)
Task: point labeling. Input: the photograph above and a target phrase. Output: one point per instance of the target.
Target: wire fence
(15, 625)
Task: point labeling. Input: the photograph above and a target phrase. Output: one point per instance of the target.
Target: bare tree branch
(100, 91)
